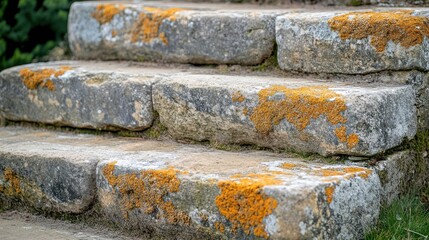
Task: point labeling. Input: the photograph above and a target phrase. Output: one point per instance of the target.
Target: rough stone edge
(32, 197)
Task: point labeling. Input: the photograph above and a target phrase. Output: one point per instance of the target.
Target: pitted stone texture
(80, 94)
(307, 43)
(144, 32)
(238, 195)
(304, 115)
(41, 171)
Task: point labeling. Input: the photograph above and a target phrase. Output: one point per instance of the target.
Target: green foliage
(406, 218)
(29, 29)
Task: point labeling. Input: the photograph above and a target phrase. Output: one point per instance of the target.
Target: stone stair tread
(314, 40)
(308, 115)
(332, 42)
(159, 32)
(165, 185)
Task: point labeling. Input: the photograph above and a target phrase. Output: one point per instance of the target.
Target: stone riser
(300, 114)
(168, 189)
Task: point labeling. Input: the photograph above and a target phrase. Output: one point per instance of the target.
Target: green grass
(406, 218)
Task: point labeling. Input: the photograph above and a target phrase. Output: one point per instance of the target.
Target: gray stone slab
(402, 172)
(78, 94)
(354, 42)
(238, 195)
(153, 32)
(173, 190)
(295, 114)
(44, 174)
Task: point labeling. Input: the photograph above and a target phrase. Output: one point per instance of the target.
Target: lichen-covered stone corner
(354, 42)
(43, 183)
(281, 199)
(137, 31)
(75, 95)
(285, 113)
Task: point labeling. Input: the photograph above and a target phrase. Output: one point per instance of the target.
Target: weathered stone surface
(237, 195)
(401, 173)
(304, 115)
(78, 94)
(106, 30)
(169, 189)
(353, 42)
(41, 171)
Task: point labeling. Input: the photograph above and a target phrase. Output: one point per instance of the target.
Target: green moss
(420, 146)
(157, 130)
(355, 3)
(269, 64)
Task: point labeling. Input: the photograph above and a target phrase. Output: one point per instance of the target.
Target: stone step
(169, 189)
(304, 115)
(287, 113)
(308, 3)
(158, 32)
(354, 42)
(350, 41)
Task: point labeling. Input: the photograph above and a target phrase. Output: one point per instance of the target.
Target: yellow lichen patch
(238, 97)
(329, 172)
(244, 204)
(220, 227)
(341, 133)
(329, 192)
(290, 166)
(298, 106)
(400, 27)
(163, 38)
(146, 28)
(43, 78)
(352, 140)
(147, 191)
(12, 186)
(362, 172)
(105, 12)
(349, 171)
(246, 111)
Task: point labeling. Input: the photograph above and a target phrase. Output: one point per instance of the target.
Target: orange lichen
(220, 227)
(13, 183)
(350, 171)
(329, 192)
(400, 27)
(246, 111)
(147, 191)
(341, 133)
(238, 97)
(43, 78)
(244, 204)
(362, 172)
(329, 172)
(352, 140)
(290, 166)
(298, 106)
(163, 38)
(114, 33)
(105, 12)
(146, 28)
